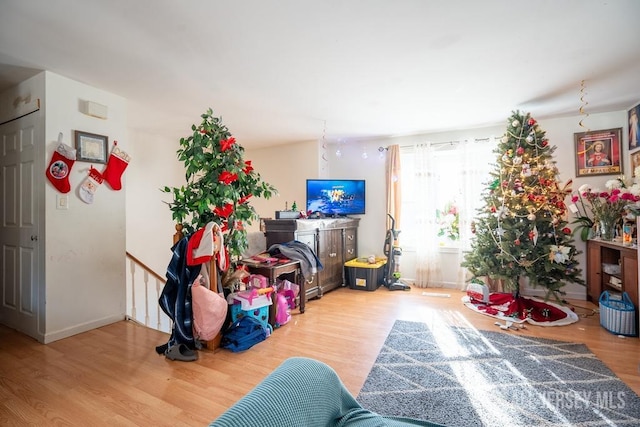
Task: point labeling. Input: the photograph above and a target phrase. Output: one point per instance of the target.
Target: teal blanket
(303, 392)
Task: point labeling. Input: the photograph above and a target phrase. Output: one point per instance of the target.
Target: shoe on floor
(181, 352)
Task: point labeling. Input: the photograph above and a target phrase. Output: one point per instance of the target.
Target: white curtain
(428, 265)
(471, 162)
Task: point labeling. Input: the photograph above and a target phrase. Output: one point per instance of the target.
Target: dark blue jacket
(175, 299)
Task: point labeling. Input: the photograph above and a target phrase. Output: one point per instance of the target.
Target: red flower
(244, 199)
(574, 199)
(226, 144)
(227, 177)
(224, 211)
(247, 167)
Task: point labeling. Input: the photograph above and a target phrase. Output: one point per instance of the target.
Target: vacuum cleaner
(393, 252)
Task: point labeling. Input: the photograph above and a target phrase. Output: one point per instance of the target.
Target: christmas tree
(521, 231)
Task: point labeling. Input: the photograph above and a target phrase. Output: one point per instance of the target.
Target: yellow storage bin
(364, 276)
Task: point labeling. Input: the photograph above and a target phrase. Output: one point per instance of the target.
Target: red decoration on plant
(244, 199)
(531, 122)
(520, 151)
(224, 211)
(517, 242)
(566, 230)
(247, 167)
(227, 177)
(226, 144)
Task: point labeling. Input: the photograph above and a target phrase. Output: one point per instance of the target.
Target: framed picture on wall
(599, 152)
(635, 162)
(91, 147)
(634, 127)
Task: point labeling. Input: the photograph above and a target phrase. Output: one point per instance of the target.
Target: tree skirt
(535, 311)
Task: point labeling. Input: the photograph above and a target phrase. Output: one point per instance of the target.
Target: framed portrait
(91, 147)
(599, 152)
(634, 127)
(635, 162)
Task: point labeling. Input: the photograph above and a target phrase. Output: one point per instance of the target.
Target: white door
(19, 230)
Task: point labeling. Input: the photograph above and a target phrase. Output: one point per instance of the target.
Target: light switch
(62, 201)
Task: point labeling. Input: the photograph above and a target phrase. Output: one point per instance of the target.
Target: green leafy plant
(220, 184)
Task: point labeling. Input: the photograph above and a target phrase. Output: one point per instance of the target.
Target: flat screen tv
(336, 197)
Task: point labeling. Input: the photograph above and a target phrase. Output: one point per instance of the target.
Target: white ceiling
(281, 71)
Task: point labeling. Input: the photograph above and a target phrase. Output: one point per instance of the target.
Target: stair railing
(144, 287)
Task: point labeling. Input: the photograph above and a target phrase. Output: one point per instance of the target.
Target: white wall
(85, 266)
(287, 168)
(154, 165)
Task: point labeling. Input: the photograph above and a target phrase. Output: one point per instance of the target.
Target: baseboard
(50, 337)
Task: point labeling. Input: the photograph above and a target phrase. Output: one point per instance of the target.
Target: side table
(276, 269)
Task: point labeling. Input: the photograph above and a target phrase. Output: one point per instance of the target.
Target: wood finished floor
(113, 376)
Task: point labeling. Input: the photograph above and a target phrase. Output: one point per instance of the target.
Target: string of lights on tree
(522, 230)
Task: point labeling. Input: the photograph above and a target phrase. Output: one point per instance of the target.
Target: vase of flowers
(604, 208)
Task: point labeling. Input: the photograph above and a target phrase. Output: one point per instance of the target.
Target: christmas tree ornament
(529, 139)
(60, 166)
(90, 185)
(515, 123)
(531, 217)
(117, 163)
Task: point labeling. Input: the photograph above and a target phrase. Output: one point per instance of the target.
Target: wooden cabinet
(613, 267)
(334, 240)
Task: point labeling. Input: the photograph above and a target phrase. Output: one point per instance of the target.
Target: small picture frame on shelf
(91, 147)
(598, 152)
(634, 162)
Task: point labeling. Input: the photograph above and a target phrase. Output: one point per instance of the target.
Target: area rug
(533, 310)
(465, 377)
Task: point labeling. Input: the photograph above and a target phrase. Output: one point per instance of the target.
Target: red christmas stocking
(61, 163)
(90, 185)
(117, 163)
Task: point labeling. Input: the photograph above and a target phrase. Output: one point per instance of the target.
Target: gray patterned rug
(465, 377)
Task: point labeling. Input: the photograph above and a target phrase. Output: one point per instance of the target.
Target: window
(441, 189)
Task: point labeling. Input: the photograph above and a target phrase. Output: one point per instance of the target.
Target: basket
(618, 316)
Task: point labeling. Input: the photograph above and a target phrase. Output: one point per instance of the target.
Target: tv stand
(334, 241)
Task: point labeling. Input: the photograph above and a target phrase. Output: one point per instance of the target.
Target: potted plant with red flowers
(219, 184)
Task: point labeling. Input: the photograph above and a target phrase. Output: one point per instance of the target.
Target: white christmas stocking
(90, 185)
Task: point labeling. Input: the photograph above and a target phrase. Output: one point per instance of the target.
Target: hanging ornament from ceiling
(583, 104)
